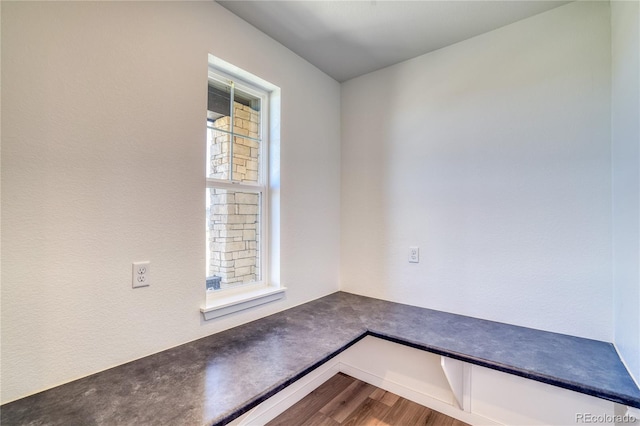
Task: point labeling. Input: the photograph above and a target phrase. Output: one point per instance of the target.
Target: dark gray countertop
(216, 379)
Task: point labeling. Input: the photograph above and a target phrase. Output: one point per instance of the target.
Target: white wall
(493, 156)
(625, 132)
(103, 164)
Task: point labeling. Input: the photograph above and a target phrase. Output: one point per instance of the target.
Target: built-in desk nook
(481, 371)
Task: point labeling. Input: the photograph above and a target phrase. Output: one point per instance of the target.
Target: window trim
(244, 296)
(235, 300)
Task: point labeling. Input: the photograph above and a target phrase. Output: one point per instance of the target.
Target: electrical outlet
(414, 254)
(141, 274)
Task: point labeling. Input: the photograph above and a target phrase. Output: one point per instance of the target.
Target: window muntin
(236, 183)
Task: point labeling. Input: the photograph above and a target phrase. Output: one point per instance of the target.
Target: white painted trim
(458, 375)
(466, 395)
(632, 412)
(224, 67)
(220, 306)
(233, 185)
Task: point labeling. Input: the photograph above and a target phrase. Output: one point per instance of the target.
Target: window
(236, 194)
(242, 198)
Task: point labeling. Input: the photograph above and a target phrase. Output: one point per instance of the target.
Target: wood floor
(343, 400)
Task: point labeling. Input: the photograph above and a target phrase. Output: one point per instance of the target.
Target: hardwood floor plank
(377, 394)
(346, 401)
(439, 419)
(312, 403)
(405, 412)
(340, 407)
(369, 413)
(319, 419)
(384, 396)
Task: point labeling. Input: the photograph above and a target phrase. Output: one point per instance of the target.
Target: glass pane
(218, 99)
(243, 127)
(218, 149)
(233, 238)
(246, 131)
(247, 108)
(246, 159)
(218, 126)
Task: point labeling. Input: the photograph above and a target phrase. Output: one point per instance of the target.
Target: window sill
(220, 304)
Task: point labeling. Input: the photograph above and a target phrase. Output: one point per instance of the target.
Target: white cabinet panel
(514, 400)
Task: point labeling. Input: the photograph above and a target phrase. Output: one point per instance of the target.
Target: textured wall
(493, 156)
(625, 131)
(103, 163)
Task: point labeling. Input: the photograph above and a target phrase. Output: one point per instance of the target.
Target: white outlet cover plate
(414, 255)
(141, 274)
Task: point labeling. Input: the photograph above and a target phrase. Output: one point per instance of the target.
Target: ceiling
(346, 39)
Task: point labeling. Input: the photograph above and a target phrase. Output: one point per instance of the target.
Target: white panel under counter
(513, 400)
(397, 368)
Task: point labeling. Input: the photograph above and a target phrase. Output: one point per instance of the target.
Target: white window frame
(225, 301)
